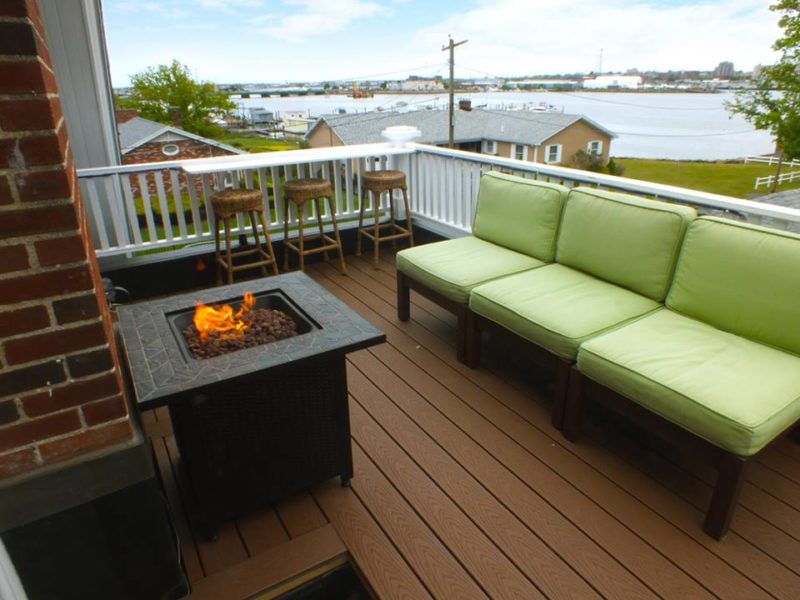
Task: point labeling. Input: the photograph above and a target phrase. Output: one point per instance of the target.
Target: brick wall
(60, 387)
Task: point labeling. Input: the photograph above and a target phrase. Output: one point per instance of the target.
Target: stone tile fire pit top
(160, 367)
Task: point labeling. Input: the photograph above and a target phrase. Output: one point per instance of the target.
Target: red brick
(54, 343)
(17, 462)
(43, 185)
(71, 394)
(28, 432)
(31, 114)
(60, 251)
(13, 258)
(18, 223)
(26, 77)
(5, 191)
(31, 378)
(37, 151)
(9, 412)
(17, 38)
(90, 363)
(15, 322)
(86, 441)
(76, 309)
(110, 409)
(45, 285)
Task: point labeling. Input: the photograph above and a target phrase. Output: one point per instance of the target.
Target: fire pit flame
(224, 320)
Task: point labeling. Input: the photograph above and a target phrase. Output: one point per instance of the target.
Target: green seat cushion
(557, 307)
(519, 214)
(735, 393)
(453, 267)
(629, 241)
(741, 278)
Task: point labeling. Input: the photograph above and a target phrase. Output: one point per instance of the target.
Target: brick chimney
(123, 115)
(61, 394)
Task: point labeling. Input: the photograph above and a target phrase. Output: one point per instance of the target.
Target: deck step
(276, 570)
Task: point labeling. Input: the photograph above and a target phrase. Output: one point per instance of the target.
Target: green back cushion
(629, 241)
(519, 214)
(742, 279)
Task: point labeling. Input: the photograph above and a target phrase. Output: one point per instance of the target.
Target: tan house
(550, 138)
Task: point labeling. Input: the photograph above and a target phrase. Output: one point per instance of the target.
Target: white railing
(771, 160)
(131, 209)
(142, 208)
(768, 180)
(444, 187)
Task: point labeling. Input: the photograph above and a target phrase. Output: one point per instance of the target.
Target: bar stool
(227, 204)
(378, 182)
(300, 191)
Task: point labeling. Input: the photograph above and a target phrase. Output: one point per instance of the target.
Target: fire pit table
(258, 424)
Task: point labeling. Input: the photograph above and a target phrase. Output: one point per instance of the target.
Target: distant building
(546, 84)
(724, 70)
(551, 138)
(261, 117)
(422, 84)
(627, 82)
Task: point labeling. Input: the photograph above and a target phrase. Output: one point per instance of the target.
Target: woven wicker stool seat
(298, 192)
(229, 204)
(378, 182)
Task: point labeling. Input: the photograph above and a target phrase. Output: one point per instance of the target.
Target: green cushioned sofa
(615, 256)
(514, 230)
(719, 365)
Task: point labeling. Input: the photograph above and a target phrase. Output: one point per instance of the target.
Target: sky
(280, 41)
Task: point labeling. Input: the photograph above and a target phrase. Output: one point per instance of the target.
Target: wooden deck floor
(462, 489)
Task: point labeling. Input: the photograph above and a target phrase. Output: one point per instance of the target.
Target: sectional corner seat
(615, 256)
(718, 366)
(514, 230)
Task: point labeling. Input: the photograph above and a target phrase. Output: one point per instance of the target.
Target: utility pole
(451, 47)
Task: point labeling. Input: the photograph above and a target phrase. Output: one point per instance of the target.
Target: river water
(666, 125)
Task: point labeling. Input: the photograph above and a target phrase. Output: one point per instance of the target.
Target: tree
(158, 91)
(774, 104)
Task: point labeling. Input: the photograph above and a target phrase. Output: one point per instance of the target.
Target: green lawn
(726, 178)
(259, 144)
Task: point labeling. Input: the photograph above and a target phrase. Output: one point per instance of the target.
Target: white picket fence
(768, 180)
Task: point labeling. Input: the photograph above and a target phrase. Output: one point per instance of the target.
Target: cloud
(230, 5)
(547, 36)
(319, 17)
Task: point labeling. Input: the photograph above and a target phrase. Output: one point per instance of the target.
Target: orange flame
(222, 319)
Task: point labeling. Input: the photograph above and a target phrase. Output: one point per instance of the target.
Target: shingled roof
(519, 127)
(137, 131)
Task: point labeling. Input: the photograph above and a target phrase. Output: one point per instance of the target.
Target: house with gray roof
(142, 140)
(551, 138)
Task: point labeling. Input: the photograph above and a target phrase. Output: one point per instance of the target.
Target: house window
(490, 147)
(170, 149)
(553, 153)
(519, 151)
(595, 147)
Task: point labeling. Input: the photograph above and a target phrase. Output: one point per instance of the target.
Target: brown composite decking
(462, 489)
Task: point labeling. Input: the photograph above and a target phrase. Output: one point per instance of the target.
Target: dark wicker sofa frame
(731, 468)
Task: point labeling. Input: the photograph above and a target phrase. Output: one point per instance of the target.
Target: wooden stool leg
(259, 251)
(342, 266)
(301, 213)
(217, 257)
(362, 201)
(376, 211)
(285, 234)
(228, 250)
(318, 204)
(393, 218)
(408, 218)
(268, 242)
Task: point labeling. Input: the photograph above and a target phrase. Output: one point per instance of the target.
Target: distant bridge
(283, 92)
